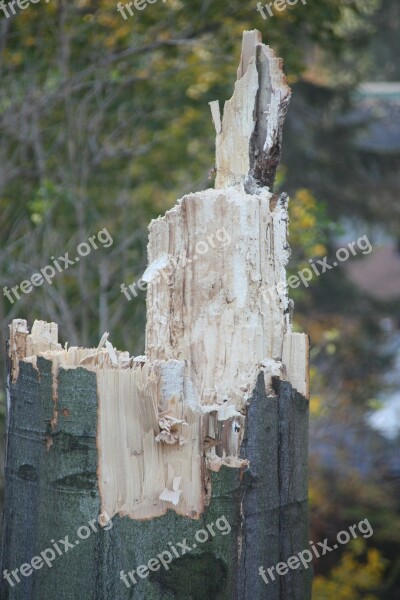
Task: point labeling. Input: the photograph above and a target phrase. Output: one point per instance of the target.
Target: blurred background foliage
(104, 122)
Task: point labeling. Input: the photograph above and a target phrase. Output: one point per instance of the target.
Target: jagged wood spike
(249, 147)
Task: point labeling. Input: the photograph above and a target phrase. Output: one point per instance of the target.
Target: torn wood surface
(295, 358)
(249, 134)
(216, 302)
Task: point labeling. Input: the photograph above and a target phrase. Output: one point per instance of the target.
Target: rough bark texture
(52, 490)
(210, 426)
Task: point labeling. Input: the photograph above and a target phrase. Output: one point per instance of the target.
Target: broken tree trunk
(181, 474)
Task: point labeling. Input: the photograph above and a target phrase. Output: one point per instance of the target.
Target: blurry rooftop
(378, 108)
(380, 89)
(378, 274)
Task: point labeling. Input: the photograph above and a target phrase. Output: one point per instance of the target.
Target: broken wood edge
(249, 133)
(174, 446)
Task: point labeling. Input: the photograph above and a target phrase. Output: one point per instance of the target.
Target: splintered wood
(249, 135)
(217, 315)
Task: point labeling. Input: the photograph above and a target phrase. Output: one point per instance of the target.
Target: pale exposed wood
(216, 115)
(249, 42)
(295, 360)
(44, 336)
(215, 302)
(233, 141)
(248, 143)
(136, 468)
(17, 344)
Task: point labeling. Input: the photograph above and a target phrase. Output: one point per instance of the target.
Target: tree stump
(181, 474)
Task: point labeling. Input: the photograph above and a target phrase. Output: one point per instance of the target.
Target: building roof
(378, 274)
(378, 109)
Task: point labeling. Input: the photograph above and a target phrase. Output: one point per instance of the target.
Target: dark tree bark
(51, 491)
